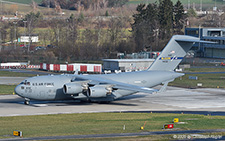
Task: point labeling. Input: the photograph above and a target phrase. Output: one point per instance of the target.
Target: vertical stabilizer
(174, 52)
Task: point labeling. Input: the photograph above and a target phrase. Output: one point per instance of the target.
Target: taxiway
(174, 99)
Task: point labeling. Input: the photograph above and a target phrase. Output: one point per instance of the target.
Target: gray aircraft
(109, 87)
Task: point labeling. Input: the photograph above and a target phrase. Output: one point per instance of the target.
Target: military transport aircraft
(108, 87)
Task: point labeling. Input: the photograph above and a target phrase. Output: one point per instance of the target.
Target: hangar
(126, 65)
(217, 35)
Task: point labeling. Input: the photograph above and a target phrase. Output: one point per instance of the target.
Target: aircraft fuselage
(51, 87)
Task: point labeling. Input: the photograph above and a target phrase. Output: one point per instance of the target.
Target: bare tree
(32, 20)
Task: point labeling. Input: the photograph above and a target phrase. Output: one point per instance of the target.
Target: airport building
(126, 65)
(217, 35)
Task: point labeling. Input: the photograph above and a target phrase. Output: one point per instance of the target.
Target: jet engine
(72, 88)
(98, 91)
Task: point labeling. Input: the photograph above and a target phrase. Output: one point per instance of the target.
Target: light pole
(189, 4)
(200, 5)
(15, 34)
(24, 22)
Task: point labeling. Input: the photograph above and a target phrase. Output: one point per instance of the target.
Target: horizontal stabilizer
(194, 41)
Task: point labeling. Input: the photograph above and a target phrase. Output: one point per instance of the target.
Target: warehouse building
(217, 35)
(81, 68)
(126, 65)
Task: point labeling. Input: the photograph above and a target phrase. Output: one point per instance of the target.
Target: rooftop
(129, 60)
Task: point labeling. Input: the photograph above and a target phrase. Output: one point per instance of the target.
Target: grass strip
(103, 123)
(7, 89)
(207, 81)
(204, 70)
(14, 74)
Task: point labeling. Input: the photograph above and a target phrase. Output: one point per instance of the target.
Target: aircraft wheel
(26, 102)
(104, 102)
(88, 100)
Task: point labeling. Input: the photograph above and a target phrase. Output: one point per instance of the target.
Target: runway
(11, 80)
(174, 99)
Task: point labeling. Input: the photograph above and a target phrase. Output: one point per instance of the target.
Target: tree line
(73, 39)
(155, 23)
(85, 4)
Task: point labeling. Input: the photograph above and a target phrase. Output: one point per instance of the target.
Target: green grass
(25, 1)
(204, 70)
(14, 74)
(136, 138)
(207, 80)
(102, 123)
(23, 9)
(7, 89)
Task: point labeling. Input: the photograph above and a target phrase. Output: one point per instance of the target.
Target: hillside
(134, 1)
(174, 1)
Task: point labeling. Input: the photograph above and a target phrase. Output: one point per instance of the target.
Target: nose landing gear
(27, 101)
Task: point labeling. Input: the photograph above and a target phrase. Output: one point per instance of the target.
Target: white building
(27, 38)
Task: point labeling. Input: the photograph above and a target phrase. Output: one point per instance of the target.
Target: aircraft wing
(115, 84)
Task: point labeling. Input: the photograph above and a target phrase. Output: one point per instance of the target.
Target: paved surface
(17, 80)
(174, 99)
(187, 134)
(28, 71)
(11, 80)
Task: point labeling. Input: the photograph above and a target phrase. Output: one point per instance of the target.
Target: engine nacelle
(97, 91)
(72, 88)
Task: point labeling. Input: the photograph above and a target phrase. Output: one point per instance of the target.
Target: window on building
(223, 34)
(192, 32)
(214, 33)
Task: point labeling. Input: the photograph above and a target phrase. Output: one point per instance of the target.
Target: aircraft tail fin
(174, 52)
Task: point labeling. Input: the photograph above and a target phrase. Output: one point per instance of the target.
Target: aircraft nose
(17, 90)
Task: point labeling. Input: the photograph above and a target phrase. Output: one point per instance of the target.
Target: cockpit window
(25, 82)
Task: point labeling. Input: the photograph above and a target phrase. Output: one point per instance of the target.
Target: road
(14, 3)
